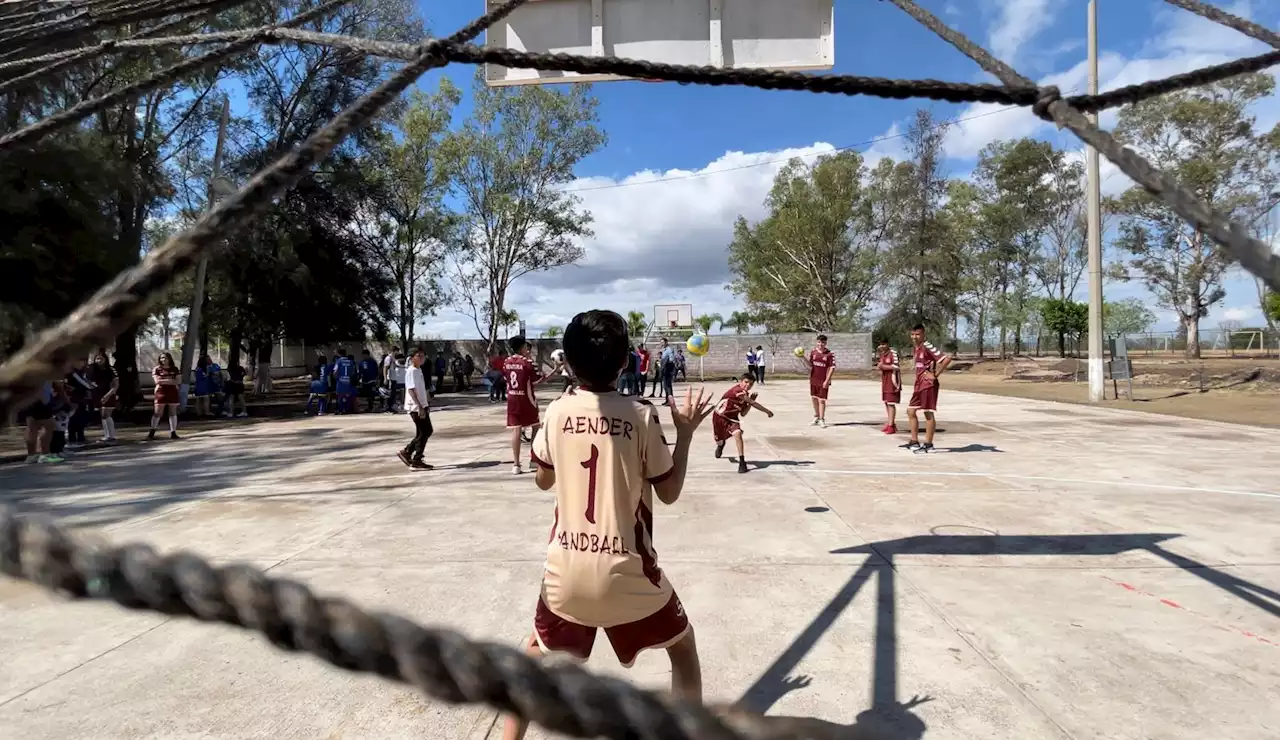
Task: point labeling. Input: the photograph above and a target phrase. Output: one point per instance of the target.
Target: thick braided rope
(163, 78)
(143, 38)
(1217, 15)
(21, 52)
(701, 75)
(1251, 253)
(443, 663)
(81, 56)
(126, 298)
(87, 21)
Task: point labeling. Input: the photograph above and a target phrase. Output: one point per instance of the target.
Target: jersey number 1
(590, 465)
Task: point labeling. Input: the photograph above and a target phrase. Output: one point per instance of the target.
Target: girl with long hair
(165, 376)
(106, 386)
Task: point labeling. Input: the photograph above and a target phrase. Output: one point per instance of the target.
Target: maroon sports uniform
(166, 393)
(820, 361)
(733, 404)
(890, 379)
(924, 394)
(522, 405)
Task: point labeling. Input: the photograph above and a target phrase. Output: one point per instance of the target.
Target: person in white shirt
(416, 400)
(395, 384)
(761, 359)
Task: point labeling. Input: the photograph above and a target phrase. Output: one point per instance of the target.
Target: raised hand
(687, 416)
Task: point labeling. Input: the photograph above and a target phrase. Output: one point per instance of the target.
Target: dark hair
(748, 376)
(918, 327)
(365, 351)
(342, 351)
(416, 351)
(822, 337)
(596, 347)
(517, 343)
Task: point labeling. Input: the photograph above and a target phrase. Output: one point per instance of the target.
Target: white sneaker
(815, 421)
(243, 415)
(517, 469)
(32, 459)
(822, 423)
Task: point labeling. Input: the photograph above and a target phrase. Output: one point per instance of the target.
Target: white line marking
(1078, 481)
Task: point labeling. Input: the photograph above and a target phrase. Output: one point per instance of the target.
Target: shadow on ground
(888, 718)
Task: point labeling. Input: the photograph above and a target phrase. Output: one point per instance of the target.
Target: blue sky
(683, 161)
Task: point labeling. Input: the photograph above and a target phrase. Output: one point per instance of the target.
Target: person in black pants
(416, 402)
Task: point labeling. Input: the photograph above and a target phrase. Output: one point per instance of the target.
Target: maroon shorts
(521, 412)
(816, 389)
(924, 398)
(166, 394)
(891, 397)
(722, 427)
(662, 629)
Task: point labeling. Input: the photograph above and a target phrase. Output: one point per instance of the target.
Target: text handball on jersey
(698, 345)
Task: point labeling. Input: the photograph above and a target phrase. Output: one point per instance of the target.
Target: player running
(521, 376)
(930, 363)
(605, 455)
(890, 384)
(734, 404)
(822, 365)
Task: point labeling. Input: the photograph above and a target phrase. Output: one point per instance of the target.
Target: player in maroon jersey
(520, 375)
(822, 365)
(890, 384)
(733, 405)
(930, 363)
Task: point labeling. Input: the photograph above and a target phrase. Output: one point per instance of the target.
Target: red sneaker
(890, 429)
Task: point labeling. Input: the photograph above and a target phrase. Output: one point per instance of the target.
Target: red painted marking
(1176, 605)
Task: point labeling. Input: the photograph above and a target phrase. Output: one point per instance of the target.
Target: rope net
(442, 663)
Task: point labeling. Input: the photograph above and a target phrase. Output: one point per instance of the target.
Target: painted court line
(1006, 476)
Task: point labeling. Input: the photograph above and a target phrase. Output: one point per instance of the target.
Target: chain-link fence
(1255, 343)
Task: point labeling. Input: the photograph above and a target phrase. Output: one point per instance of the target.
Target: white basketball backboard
(734, 34)
(672, 316)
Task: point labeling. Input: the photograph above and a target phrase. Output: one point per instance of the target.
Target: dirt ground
(1243, 391)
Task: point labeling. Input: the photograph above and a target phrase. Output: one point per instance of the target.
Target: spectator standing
(416, 403)
(441, 366)
(398, 372)
(642, 374)
(106, 386)
(761, 361)
(751, 363)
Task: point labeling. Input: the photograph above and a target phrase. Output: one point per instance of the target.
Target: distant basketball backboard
(734, 34)
(672, 316)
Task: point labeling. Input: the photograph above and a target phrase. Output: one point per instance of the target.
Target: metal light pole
(1097, 380)
(217, 189)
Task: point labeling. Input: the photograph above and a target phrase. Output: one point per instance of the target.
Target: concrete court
(1057, 572)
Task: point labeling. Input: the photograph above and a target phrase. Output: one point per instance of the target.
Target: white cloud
(660, 237)
(1017, 22)
(1184, 42)
(1239, 313)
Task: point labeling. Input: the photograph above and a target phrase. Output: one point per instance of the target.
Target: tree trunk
(1062, 344)
(982, 331)
(126, 364)
(233, 355)
(166, 330)
(1192, 326)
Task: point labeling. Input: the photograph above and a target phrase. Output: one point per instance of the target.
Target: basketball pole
(1097, 381)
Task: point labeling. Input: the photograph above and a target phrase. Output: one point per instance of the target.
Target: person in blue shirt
(319, 386)
(668, 369)
(217, 384)
(202, 386)
(344, 374)
(368, 374)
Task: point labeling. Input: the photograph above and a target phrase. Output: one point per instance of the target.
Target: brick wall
(729, 352)
(727, 356)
